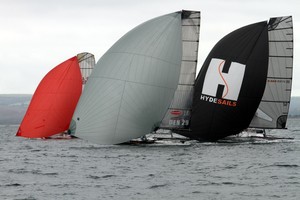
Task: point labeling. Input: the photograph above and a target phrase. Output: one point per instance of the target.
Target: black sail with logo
(231, 83)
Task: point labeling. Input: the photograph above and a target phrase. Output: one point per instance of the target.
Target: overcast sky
(37, 35)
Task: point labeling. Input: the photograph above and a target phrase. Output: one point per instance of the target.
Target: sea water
(77, 169)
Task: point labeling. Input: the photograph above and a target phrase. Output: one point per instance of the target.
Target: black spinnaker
(230, 85)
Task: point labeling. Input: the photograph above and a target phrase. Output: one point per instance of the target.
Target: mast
(179, 112)
(274, 106)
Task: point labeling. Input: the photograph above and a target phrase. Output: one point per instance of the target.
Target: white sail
(132, 84)
(179, 112)
(86, 64)
(274, 106)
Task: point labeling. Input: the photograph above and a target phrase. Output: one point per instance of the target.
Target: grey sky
(37, 35)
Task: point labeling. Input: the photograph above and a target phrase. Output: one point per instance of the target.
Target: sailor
(144, 138)
(264, 133)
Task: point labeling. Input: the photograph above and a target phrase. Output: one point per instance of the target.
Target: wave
(158, 186)
(38, 172)
(94, 147)
(286, 165)
(101, 177)
(13, 185)
(282, 165)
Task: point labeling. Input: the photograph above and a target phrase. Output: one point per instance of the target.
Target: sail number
(179, 122)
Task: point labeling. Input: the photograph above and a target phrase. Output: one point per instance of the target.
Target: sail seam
(198, 25)
(278, 29)
(273, 56)
(119, 110)
(269, 101)
(121, 101)
(133, 82)
(280, 40)
(273, 77)
(166, 61)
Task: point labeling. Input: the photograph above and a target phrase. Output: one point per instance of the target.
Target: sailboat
(133, 83)
(245, 81)
(54, 101)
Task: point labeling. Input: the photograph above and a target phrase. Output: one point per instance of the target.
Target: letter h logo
(223, 80)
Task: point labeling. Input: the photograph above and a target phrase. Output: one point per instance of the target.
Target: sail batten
(278, 56)
(270, 101)
(282, 77)
(280, 40)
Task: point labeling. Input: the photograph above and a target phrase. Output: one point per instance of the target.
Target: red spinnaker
(54, 101)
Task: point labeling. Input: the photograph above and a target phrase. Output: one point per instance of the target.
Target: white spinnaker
(132, 84)
(179, 112)
(274, 106)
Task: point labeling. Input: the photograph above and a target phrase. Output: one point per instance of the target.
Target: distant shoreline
(14, 106)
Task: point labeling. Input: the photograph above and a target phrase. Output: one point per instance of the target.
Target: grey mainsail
(179, 112)
(86, 64)
(273, 109)
(133, 83)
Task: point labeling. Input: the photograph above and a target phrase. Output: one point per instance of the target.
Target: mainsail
(133, 83)
(86, 64)
(179, 112)
(274, 106)
(54, 101)
(230, 84)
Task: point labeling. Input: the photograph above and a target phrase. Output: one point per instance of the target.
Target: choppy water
(76, 169)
